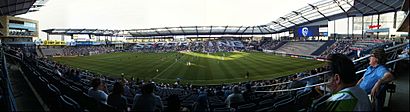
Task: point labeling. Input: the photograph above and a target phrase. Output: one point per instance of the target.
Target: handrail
(387, 51)
(390, 62)
(285, 90)
(293, 89)
(11, 102)
(321, 73)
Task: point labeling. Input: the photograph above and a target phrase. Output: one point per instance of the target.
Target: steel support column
(362, 27)
(378, 22)
(348, 25)
(334, 29)
(353, 27)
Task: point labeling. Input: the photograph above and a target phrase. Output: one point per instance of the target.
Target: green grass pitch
(192, 67)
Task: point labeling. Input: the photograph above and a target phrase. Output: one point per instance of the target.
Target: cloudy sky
(135, 14)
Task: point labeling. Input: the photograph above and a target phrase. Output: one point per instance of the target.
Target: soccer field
(192, 67)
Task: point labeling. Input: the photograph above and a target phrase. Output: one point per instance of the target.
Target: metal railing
(9, 96)
(388, 50)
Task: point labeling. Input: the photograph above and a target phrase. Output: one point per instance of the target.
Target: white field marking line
(164, 70)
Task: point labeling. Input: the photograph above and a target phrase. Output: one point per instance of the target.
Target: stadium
(321, 55)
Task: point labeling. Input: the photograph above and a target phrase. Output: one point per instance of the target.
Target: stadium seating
(304, 100)
(300, 48)
(285, 105)
(222, 110)
(318, 104)
(68, 104)
(63, 93)
(323, 48)
(246, 107)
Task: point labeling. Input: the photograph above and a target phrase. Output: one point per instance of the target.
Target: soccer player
(247, 74)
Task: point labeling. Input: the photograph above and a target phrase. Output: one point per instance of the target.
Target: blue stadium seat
(266, 103)
(303, 100)
(318, 104)
(266, 109)
(217, 105)
(68, 104)
(53, 94)
(285, 105)
(222, 110)
(246, 107)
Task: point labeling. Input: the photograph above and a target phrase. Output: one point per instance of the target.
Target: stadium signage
(307, 31)
(374, 26)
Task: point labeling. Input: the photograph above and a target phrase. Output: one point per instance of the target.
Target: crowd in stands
(348, 46)
(86, 50)
(341, 46)
(125, 93)
(207, 46)
(130, 94)
(269, 44)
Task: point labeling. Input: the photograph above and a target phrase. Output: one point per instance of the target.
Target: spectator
(235, 98)
(227, 92)
(76, 77)
(174, 104)
(147, 101)
(127, 90)
(201, 104)
(116, 98)
(346, 96)
(248, 93)
(375, 76)
(97, 90)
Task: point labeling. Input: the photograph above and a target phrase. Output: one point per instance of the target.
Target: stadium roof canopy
(404, 27)
(319, 11)
(17, 7)
(333, 10)
(97, 32)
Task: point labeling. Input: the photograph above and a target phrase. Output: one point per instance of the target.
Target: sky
(138, 14)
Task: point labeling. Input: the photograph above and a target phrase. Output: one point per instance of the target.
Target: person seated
(201, 104)
(405, 53)
(248, 93)
(117, 98)
(174, 103)
(375, 76)
(342, 84)
(97, 90)
(147, 101)
(235, 98)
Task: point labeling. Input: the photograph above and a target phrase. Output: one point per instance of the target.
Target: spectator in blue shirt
(97, 90)
(376, 74)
